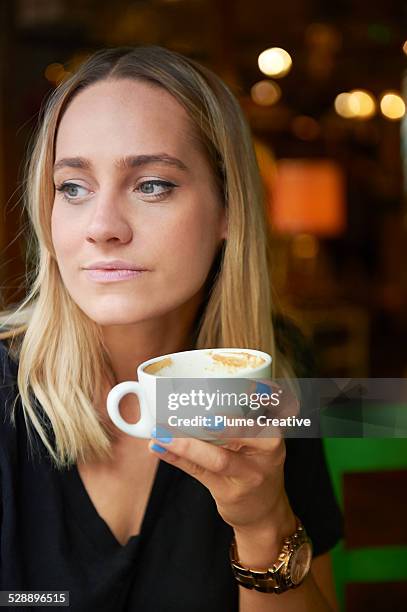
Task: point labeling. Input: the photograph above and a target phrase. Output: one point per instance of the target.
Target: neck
(131, 345)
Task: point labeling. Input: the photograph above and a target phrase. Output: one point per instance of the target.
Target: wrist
(258, 544)
(288, 570)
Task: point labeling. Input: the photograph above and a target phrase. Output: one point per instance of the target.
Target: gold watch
(288, 572)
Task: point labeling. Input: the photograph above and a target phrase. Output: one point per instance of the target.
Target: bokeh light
(392, 105)
(362, 103)
(357, 103)
(305, 128)
(324, 36)
(275, 62)
(265, 93)
(342, 105)
(54, 73)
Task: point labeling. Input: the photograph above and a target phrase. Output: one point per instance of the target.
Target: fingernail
(262, 388)
(158, 449)
(211, 424)
(159, 434)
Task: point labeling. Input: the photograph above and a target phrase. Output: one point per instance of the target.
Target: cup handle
(143, 427)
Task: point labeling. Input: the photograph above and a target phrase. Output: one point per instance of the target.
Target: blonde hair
(62, 357)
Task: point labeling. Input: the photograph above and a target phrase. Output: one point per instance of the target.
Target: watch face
(300, 563)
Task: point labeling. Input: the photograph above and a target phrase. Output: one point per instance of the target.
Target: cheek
(63, 237)
(188, 246)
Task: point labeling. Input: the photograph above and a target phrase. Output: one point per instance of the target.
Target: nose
(108, 222)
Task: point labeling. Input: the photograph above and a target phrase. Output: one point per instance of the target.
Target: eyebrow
(131, 161)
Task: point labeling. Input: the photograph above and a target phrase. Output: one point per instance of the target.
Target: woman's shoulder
(8, 387)
(8, 366)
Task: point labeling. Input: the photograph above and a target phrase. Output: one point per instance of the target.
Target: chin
(118, 314)
(128, 310)
(114, 318)
(110, 320)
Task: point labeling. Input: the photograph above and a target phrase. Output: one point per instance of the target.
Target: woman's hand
(245, 477)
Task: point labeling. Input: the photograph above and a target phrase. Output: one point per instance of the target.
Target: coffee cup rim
(264, 355)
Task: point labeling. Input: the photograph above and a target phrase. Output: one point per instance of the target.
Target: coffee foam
(157, 366)
(222, 363)
(233, 362)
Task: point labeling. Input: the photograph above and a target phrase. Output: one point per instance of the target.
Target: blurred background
(324, 87)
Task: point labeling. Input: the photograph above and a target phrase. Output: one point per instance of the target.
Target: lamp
(308, 198)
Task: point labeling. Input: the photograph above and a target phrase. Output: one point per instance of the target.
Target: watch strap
(272, 579)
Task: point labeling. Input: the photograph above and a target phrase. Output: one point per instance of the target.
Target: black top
(52, 538)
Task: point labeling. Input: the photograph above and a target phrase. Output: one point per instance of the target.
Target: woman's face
(132, 184)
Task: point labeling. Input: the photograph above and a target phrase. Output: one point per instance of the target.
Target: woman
(143, 161)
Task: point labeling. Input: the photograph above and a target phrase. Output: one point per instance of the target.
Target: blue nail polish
(159, 433)
(262, 388)
(158, 449)
(211, 424)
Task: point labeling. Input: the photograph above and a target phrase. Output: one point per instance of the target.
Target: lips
(103, 275)
(116, 264)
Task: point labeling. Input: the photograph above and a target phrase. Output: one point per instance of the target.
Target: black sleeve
(8, 367)
(8, 385)
(309, 489)
(308, 483)
(8, 373)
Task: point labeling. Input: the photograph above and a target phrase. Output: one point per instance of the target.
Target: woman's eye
(71, 191)
(155, 189)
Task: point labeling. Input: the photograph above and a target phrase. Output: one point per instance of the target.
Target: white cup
(244, 364)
